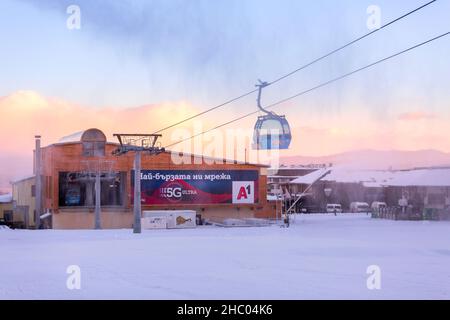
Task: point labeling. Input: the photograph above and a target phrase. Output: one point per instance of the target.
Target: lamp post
(38, 184)
(97, 200)
(137, 143)
(137, 192)
(328, 192)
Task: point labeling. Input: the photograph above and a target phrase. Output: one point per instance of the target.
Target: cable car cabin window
(75, 190)
(271, 127)
(271, 132)
(286, 129)
(94, 149)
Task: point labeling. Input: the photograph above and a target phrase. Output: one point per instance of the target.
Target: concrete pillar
(26, 216)
(123, 189)
(137, 192)
(97, 200)
(89, 201)
(38, 184)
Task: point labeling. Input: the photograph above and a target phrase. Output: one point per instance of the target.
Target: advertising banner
(198, 186)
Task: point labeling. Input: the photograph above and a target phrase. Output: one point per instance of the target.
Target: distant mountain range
(376, 160)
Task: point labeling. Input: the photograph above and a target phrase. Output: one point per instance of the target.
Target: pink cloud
(24, 114)
(415, 116)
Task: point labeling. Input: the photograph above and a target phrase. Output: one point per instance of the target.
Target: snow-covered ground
(320, 256)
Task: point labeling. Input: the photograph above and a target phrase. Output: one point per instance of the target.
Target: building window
(33, 190)
(435, 199)
(8, 216)
(94, 143)
(93, 149)
(76, 190)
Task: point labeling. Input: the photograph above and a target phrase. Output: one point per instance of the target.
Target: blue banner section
(198, 186)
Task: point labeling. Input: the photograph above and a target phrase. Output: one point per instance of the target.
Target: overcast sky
(201, 53)
(135, 52)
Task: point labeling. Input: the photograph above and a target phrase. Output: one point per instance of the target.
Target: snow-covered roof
(6, 198)
(373, 184)
(46, 215)
(23, 178)
(310, 178)
(92, 134)
(272, 198)
(74, 137)
(369, 177)
(283, 177)
(421, 178)
(428, 177)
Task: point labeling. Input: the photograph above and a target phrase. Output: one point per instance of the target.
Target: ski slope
(319, 257)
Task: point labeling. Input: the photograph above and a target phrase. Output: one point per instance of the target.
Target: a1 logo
(243, 192)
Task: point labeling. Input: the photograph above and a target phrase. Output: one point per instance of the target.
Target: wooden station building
(216, 191)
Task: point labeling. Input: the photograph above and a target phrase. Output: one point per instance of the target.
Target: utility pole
(137, 192)
(38, 183)
(137, 143)
(97, 200)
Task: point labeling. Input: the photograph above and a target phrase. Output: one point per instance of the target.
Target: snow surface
(319, 256)
(6, 198)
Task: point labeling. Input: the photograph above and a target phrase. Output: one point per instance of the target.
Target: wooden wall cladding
(68, 157)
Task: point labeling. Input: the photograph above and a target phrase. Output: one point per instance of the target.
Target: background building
(24, 198)
(417, 190)
(6, 208)
(278, 180)
(423, 191)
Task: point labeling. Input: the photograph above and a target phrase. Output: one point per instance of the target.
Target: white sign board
(169, 219)
(182, 220)
(154, 223)
(243, 192)
(403, 202)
